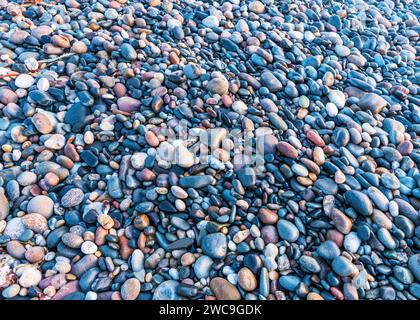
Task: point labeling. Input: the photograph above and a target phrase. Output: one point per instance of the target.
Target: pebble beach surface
(98, 202)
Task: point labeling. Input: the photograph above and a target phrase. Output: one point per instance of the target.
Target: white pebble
(332, 109)
(88, 247)
(43, 84)
(24, 81)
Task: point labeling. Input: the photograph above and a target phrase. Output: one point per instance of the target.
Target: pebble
(223, 290)
(359, 202)
(414, 264)
(24, 81)
(342, 266)
(287, 230)
(247, 280)
(130, 290)
(218, 86)
(42, 205)
(214, 245)
(72, 198)
(4, 206)
(167, 291)
(203, 266)
(328, 250)
(30, 276)
(372, 102)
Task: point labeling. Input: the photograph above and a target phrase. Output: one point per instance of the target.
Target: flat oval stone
(386, 239)
(167, 291)
(287, 150)
(30, 277)
(218, 86)
(352, 242)
(343, 266)
(378, 198)
(41, 204)
(128, 52)
(24, 81)
(341, 221)
(72, 198)
(328, 250)
(195, 181)
(214, 245)
(404, 275)
(4, 206)
(130, 290)
(287, 230)
(359, 202)
(372, 102)
(309, 264)
(202, 266)
(414, 265)
(128, 104)
(270, 81)
(224, 290)
(247, 280)
(289, 282)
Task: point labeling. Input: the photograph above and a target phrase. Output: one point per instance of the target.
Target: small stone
(128, 104)
(183, 157)
(404, 275)
(341, 221)
(72, 198)
(130, 289)
(352, 242)
(79, 47)
(343, 266)
(224, 290)
(328, 250)
(337, 98)
(167, 291)
(128, 52)
(287, 230)
(11, 291)
(4, 206)
(286, 149)
(89, 247)
(16, 249)
(105, 221)
(43, 122)
(309, 264)
(14, 228)
(202, 267)
(372, 102)
(247, 280)
(24, 81)
(218, 86)
(256, 7)
(35, 222)
(359, 202)
(42, 205)
(35, 254)
(55, 142)
(26, 178)
(72, 240)
(342, 51)
(414, 265)
(211, 22)
(30, 277)
(214, 245)
(7, 96)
